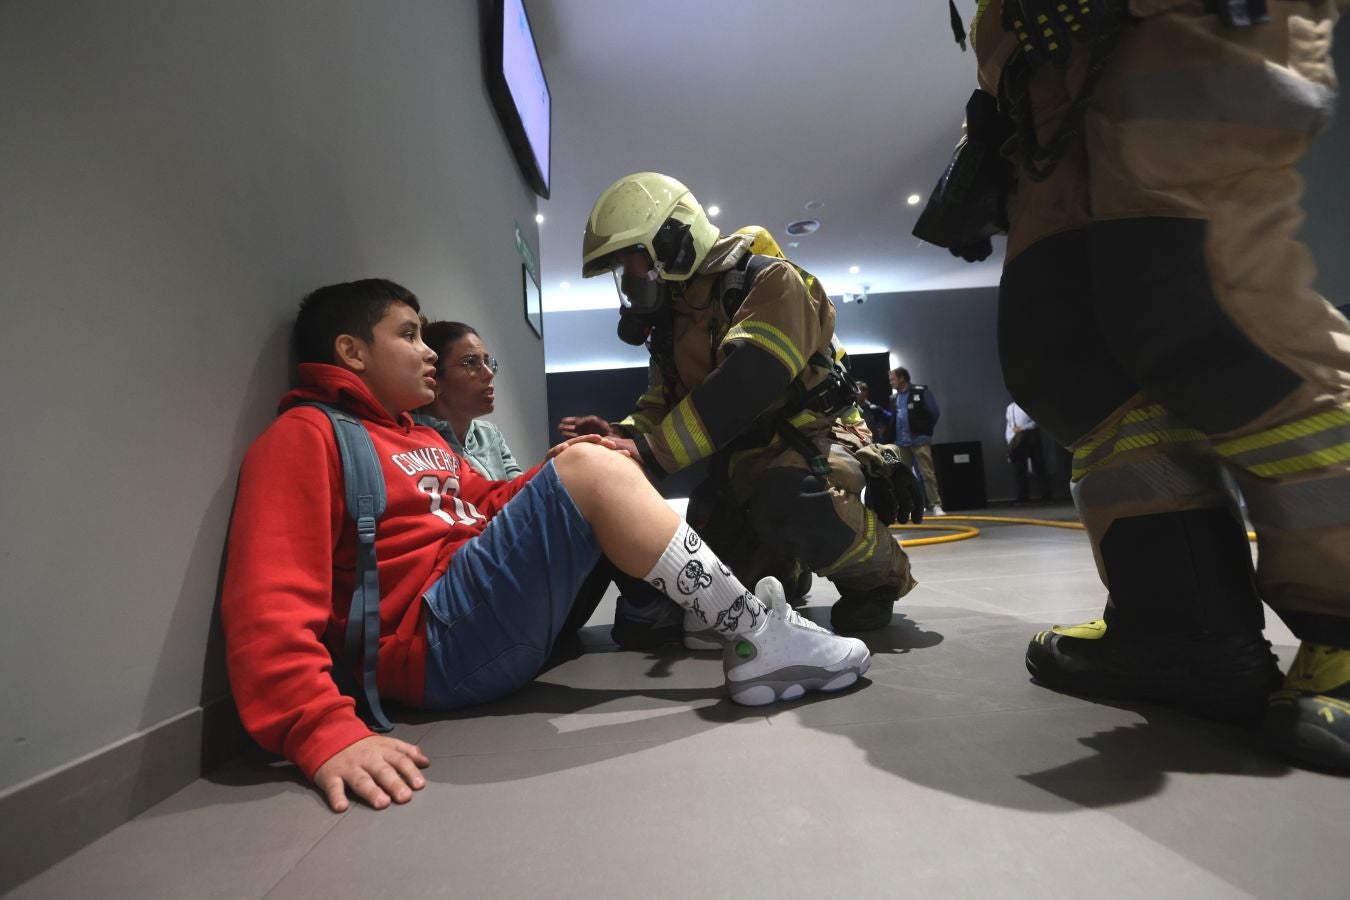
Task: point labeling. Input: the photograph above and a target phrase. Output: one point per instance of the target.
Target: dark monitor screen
(534, 305)
(519, 89)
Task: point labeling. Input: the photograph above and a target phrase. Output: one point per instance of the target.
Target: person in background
(1024, 446)
(464, 391)
(914, 413)
(878, 418)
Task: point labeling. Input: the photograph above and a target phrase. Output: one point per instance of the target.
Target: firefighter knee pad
(1187, 572)
(1164, 324)
(1056, 362)
(795, 511)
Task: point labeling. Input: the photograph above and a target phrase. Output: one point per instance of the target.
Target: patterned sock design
(691, 574)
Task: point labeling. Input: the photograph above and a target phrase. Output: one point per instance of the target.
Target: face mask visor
(640, 294)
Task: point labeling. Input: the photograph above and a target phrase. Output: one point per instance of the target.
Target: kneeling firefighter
(743, 374)
(1156, 316)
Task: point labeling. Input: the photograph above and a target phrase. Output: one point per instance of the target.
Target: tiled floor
(947, 774)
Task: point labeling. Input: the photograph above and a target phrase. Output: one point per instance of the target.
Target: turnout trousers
(773, 510)
(1157, 317)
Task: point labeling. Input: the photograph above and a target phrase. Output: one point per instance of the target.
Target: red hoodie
(291, 563)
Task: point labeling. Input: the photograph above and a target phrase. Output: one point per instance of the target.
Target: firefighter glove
(892, 490)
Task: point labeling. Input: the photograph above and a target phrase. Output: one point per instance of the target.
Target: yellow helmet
(651, 212)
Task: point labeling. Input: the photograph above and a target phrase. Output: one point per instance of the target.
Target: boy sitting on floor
(476, 576)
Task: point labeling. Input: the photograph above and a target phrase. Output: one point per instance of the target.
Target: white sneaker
(787, 655)
(699, 635)
(936, 511)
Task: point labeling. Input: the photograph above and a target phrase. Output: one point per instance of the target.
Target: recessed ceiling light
(539, 218)
(913, 199)
(803, 226)
(564, 285)
(814, 204)
(794, 243)
(713, 211)
(853, 270)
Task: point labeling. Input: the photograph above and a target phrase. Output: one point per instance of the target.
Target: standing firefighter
(743, 374)
(1156, 316)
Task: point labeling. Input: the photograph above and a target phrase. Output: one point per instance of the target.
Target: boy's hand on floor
(377, 769)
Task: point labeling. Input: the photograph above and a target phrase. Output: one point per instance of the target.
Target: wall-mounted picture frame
(534, 301)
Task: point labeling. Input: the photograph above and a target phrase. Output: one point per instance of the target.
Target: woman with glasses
(464, 391)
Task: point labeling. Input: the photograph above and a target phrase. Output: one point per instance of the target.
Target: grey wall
(948, 341)
(586, 339)
(173, 177)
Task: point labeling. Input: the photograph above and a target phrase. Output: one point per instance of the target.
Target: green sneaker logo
(744, 650)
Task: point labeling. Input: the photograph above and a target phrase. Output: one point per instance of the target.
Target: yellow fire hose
(966, 532)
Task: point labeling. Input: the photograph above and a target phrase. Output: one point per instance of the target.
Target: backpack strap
(364, 486)
(735, 283)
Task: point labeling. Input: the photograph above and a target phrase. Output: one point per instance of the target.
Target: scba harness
(830, 397)
(893, 492)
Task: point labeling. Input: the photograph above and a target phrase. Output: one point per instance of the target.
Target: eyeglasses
(474, 365)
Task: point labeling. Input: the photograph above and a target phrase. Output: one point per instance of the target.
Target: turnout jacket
(725, 375)
(291, 563)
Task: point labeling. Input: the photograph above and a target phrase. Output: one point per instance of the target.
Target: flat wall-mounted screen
(519, 89)
(534, 306)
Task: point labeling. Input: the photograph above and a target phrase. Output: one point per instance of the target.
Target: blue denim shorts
(494, 615)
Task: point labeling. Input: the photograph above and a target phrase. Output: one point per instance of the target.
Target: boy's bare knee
(579, 459)
(581, 468)
(594, 474)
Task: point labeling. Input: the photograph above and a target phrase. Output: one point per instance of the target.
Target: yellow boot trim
(1318, 669)
(1090, 631)
(1329, 707)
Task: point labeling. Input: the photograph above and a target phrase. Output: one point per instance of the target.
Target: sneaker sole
(763, 691)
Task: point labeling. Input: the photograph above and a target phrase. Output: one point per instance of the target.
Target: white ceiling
(760, 107)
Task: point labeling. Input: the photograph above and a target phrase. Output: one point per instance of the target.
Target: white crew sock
(691, 574)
